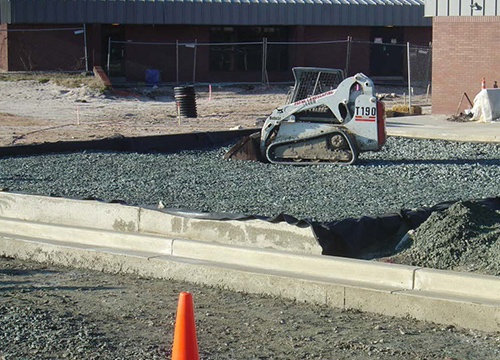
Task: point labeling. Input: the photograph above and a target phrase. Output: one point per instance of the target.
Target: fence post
(177, 62)
(348, 56)
(428, 74)
(109, 55)
(409, 75)
(194, 61)
(428, 70)
(85, 47)
(265, 77)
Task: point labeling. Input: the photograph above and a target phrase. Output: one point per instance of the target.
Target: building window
(234, 54)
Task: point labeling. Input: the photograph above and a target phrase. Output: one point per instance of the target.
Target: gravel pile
(407, 173)
(466, 236)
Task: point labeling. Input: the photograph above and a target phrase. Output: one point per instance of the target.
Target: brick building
(465, 35)
(210, 40)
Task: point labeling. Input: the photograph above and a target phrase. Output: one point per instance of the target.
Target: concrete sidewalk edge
(449, 308)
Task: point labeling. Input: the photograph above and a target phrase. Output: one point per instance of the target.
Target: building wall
(63, 50)
(45, 50)
(464, 51)
(334, 55)
(3, 47)
(418, 36)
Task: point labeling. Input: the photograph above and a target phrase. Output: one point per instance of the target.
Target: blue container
(152, 76)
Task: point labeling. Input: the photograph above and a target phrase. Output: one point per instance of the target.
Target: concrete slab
(62, 211)
(325, 267)
(437, 127)
(254, 233)
(458, 311)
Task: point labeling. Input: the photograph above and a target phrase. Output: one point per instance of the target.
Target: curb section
(380, 288)
(251, 255)
(140, 221)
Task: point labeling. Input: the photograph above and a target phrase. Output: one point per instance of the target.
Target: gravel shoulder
(49, 312)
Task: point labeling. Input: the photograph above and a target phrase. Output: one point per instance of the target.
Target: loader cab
(310, 81)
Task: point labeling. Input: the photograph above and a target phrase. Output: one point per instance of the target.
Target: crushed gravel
(465, 237)
(49, 312)
(407, 173)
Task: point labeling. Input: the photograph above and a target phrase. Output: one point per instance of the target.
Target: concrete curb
(115, 245)
(137, 220)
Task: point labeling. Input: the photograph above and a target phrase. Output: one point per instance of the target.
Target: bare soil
(34, 111)
(49, 312)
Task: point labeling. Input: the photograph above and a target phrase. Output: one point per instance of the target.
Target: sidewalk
(437, 127)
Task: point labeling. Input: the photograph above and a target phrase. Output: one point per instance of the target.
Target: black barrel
(186, 101)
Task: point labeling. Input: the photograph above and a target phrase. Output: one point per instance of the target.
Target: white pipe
(85, 47)
(409, 76)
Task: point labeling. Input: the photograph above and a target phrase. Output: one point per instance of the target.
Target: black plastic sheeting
(355, 238)
(364, 237)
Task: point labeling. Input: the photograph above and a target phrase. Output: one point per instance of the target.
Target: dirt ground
(49, 312)
(35, 112)
(32, 112)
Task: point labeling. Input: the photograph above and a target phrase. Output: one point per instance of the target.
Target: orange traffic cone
(483, 83)
(185, 346)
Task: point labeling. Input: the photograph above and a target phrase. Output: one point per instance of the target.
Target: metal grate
(312, 81)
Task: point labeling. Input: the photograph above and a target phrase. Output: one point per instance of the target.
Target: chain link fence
(129, 60)
(55, 49)
(394, 66)
(419, 74)
(181, 62)
(191, 62)
(263, 62)
(259, 62)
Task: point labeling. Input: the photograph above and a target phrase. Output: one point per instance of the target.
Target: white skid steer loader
(333, 126)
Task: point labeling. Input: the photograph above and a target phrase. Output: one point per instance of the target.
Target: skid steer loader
(327, 119)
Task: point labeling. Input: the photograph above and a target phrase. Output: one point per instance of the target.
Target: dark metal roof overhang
(217, 12)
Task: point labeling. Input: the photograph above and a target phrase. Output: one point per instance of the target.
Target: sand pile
(464, 237)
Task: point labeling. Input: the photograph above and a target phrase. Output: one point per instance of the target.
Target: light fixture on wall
(476, 6)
